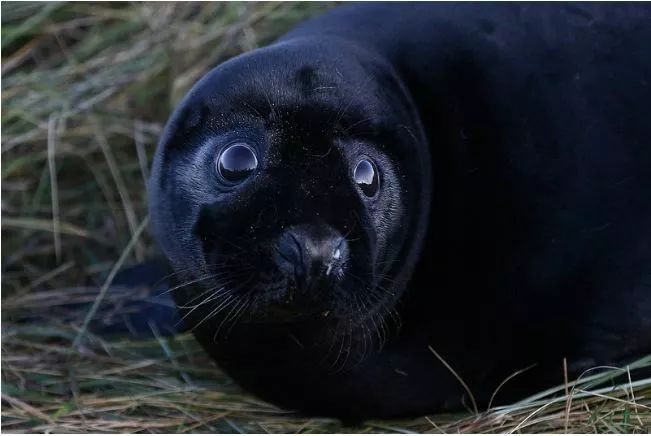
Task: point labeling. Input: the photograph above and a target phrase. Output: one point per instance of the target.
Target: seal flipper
(153, 313)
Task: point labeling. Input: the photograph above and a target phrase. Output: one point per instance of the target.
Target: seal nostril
(299, 247)
(290, 250)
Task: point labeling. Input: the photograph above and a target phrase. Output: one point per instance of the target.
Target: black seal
(388, 187)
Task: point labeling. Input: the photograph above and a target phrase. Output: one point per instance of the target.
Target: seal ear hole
(367, 178)
(237, 162)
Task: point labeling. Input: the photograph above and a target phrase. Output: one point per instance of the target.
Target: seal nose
(309, 252)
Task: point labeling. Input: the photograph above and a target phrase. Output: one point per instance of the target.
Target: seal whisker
(221, 290)
(333, 340)
(341, 113)
(181, 271)
(201, 279)
(365, 332)
(341, 348)
(349, 336)
(238, 304)
(191, 282)
(225, 303)
(238, 314)
(189, 305)
(376, 330)
(355, 124)
(364, 322)
(218, 285)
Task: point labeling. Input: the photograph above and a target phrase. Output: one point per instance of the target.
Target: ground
(86, 89)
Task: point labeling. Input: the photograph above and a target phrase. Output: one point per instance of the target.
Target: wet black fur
(513, 227)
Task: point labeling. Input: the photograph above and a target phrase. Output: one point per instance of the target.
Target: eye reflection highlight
(366, 177)
(237, 162)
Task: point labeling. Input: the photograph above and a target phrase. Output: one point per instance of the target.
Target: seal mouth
(279, 314)
(292, 302)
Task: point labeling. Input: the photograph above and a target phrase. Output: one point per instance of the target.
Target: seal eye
(237, 162)
(367, 178)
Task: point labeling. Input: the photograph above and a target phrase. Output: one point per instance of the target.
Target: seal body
(391, 190)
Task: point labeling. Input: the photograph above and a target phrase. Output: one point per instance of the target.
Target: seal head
(290, 187)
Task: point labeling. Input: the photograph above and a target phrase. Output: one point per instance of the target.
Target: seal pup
(389, 192)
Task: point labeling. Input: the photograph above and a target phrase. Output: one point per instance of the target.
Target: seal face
(282, 195)
(358, 207)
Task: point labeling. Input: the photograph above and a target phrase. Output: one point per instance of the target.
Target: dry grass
(86, 89)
